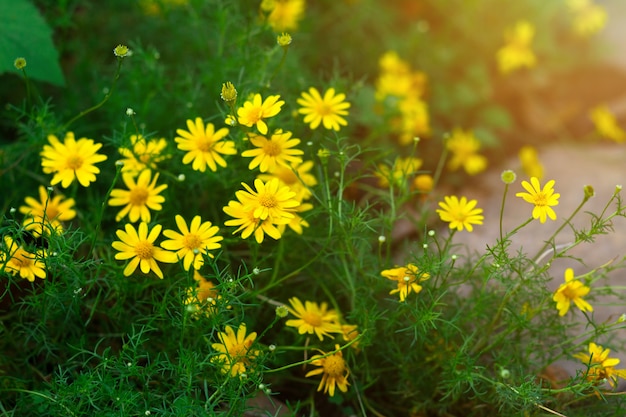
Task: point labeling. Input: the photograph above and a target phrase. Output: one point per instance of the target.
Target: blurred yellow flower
(137, 245)
(571, 291)
(283, 15)
(46, 214)
(327, 110)
(606, 124)
(235, 350)
(14, 259)
(460, 213)
(143, 154)
(517, 51)
(543, 199)
(587, 17)
(334, 372)
(464, 147)
(399, 174)
(278, 150)
(313, 318)
(253, 112)
(407, 278)
(601, 367)
(141, 197)
(72, 159)
(193, 242)
(204, 147)
(201, 298)
(531, 165)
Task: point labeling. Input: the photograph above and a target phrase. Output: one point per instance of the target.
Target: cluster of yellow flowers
(403, 89)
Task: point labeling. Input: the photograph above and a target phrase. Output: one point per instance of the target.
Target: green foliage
(24, 33)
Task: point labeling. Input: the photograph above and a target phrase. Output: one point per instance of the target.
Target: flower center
(268, 200)
(334, 365)
(52, 212)
(541, 199)
(191, 241)
(205, 144)
(255, 114)
(271, 149)
(570, 293)
(144, 249)
(74, 162)
(324, 109)
(313, 319)
(138, 196)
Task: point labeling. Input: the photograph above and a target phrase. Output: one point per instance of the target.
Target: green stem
(565, 223)
(104, 100)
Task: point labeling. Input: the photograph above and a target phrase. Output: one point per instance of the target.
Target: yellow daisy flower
(138, 247)
(253, 112)
(235, 353)
(143, 154)
(269, 200)
(571, 290)
(72, 159)
(313, 318)
(204, 146)
(543, 199)
(601, 367)
(517, 52)
(249, 224)
(296, 176)
(464, 148)
(15, 259)
(408, 279)
(283, 15)
(296, 223)
(327, 110)
(460, 213)
(141, 197)
(193, 242)
(334, 372)
(270, 153)
(46, 215)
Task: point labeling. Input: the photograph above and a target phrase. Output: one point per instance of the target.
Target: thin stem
(104, 100)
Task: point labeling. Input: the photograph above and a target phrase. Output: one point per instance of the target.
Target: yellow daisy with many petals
(137, 245)
(460, 213)
(313, 318)
(46, 214)
(543, 199)
(70, 160)
(334, 372)
(204, 145)
(253, 112)
(235, 350)
(192, 242)
(601, 367)
(328, 110)
(464, 147)
(14, 259)
(279, 149)
(407, 278)
(571, 290)
(141, 197)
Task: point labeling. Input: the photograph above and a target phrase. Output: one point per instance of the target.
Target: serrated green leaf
(24, 33)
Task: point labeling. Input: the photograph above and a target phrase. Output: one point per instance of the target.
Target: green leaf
(24, 33)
